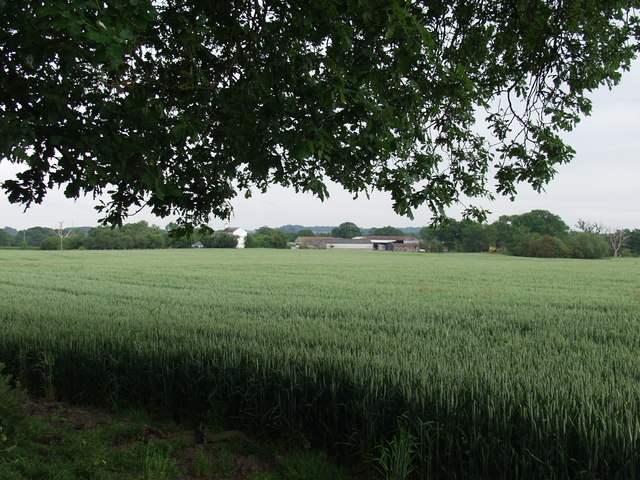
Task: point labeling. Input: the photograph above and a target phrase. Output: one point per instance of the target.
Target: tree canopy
(346, 230)
(541, 222)
(139, 235)
(182, 106)
(387, 231)
(32, 236)
(224, 240)
(5, 238)
(266, 237)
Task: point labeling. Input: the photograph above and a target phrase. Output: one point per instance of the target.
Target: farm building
(239, 233)
(349, 244)
(395, 244)
(380, 243)
(313, 242)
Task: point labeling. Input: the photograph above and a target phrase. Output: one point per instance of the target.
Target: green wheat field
(474, 365)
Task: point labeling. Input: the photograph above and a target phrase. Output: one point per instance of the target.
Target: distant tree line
(139, 235)
(538, 233)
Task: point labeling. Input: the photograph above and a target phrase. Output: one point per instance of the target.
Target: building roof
(358, 241)
(390, 238)
(312, 239)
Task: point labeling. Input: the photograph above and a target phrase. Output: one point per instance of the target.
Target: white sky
(601, 184)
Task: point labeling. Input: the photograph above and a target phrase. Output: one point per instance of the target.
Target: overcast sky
(602, 184)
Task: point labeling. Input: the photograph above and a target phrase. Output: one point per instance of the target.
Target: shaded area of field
(498, 367)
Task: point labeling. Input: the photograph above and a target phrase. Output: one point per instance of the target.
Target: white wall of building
(349, 246)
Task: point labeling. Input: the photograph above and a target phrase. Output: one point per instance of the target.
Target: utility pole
(62, 234)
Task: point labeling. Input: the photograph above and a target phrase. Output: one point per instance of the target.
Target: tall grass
(495, 367)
